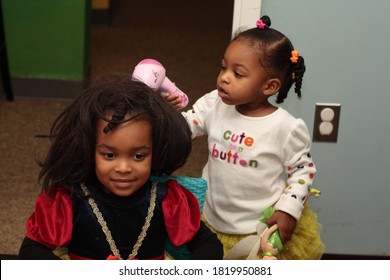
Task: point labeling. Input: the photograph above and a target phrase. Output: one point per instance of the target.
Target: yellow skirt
(305, 242)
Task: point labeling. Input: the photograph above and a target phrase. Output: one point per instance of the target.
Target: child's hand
(286, 224)
(173, 99)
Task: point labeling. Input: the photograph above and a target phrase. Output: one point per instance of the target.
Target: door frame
(245, 14)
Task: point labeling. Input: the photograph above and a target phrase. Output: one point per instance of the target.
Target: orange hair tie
(294, 56)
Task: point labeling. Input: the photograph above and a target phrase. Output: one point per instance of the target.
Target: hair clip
(260, 24)
(294, 56)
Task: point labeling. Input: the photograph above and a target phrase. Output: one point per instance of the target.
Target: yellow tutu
(305, 243)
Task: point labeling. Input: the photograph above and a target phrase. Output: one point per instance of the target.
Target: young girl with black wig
(97, 200)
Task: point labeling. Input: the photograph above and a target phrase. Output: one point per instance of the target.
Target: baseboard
(45, 88)
(353, 257)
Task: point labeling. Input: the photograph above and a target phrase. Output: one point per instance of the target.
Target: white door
(245, 13)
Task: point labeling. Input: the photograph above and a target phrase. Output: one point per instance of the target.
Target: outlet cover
(326, 122)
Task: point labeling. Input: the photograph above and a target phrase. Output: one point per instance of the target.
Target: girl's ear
(272, 86)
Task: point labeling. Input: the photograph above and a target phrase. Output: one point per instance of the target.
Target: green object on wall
(47, 39)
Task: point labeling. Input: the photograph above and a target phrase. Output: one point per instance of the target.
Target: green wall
(47, 39)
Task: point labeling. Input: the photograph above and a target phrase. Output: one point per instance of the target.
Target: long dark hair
(70, 159)
(274, 50)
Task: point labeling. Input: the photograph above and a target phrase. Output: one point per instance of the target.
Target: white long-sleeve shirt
(253, 163)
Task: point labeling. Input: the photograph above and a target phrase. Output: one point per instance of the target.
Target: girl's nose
(123, 166)
(224, 77)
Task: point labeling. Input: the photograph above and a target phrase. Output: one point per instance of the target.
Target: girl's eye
(139, 156)
(238, 75)
(109, 156)
(223, 67)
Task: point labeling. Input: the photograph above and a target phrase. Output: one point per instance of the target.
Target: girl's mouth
(222, 93)
(122, 183)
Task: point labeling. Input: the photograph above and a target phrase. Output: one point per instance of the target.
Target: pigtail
(263, 23)
(297, 71)
(283, 91)
(297, 75)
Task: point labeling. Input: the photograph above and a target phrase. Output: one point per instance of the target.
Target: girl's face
(242, 80)
(123, 156)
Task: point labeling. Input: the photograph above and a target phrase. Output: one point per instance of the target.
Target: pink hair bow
(260, 24)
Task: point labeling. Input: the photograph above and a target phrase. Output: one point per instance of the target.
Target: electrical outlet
(326, 122)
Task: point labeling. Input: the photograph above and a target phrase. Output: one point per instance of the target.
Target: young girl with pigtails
(259, 154)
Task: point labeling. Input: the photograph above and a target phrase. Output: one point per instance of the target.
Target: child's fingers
(173, 99)
(284, 235)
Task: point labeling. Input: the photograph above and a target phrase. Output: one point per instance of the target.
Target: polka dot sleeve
(300, 170)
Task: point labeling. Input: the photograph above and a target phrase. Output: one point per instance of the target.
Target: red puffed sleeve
(51, 223)
(181, 213)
